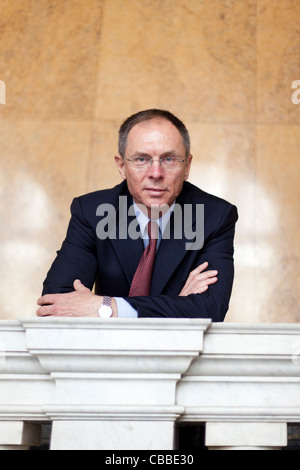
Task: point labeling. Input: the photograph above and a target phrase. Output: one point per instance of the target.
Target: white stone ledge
(246, 435)
(237, 414)
(159, 371)
(113, 413)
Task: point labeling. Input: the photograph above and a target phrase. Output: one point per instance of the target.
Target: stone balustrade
(124, 384)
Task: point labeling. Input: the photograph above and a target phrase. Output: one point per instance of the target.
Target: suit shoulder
(85, 206)
(103, 196)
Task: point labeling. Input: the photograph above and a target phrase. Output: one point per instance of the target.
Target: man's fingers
(46, 299)
(200, 268)
(199, 280)
(208, 274)
(80, 302)
(199, 276)
(43, 311)
(211, 280)
(50, 299)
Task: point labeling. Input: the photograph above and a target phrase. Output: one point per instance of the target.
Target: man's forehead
(154, 129)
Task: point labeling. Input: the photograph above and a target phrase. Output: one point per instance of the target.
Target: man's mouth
(155, 190)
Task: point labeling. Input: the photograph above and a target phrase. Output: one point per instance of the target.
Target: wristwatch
(105, 311)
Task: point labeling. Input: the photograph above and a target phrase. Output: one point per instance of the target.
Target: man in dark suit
(193, 269)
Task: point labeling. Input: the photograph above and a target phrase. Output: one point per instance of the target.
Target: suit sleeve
(218, 251)
(77, 257)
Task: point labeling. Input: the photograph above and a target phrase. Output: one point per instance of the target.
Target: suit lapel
(174, 248)
(128, 248)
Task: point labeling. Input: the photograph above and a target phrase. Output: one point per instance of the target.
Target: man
(112, 248)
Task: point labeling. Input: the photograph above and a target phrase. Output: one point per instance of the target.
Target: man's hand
(80, 303)
(198, 281)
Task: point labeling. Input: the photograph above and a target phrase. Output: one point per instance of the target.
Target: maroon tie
(141, 282)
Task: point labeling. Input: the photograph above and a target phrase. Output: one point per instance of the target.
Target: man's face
(156, 185)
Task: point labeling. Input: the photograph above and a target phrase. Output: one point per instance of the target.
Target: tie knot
(153, 230)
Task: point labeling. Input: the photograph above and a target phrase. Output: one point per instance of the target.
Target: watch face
(105, 311)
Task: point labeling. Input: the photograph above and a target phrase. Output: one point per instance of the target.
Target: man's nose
(155, 171)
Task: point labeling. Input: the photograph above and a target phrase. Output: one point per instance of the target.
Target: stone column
(24, 387)
(17, 435)
(246, 374)
(246, 436)
(115, 380)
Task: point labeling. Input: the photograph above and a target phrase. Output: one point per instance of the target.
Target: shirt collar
(143, 220)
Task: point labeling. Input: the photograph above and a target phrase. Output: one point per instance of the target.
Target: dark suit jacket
(110, 264)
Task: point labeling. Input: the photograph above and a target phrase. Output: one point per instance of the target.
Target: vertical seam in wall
(90, 158)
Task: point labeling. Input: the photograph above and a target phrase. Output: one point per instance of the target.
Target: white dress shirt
(125, 310)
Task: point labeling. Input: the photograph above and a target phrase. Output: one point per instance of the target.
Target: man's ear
(188, 166)
(121, 166)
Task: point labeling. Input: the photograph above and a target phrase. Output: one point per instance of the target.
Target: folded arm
(203, 294)
(83, 303)
(200, 297)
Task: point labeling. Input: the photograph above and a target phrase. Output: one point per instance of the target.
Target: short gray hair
(147, 115)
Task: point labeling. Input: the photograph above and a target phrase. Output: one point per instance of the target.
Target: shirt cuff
(125, 310)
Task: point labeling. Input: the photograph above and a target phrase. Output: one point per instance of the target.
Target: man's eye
(138, 160)
(168, 159)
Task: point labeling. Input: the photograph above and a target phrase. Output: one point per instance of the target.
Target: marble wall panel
(277, 223)
(48, 53)
(43, 166)
(278, 55)
(224, 165)
(103, 172)
(193, 57)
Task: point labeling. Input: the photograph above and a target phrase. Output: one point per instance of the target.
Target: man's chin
(157, 208)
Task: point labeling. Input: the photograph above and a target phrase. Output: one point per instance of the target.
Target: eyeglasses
(167, 162)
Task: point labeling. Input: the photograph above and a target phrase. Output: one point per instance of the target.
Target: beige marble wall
(75, 69)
